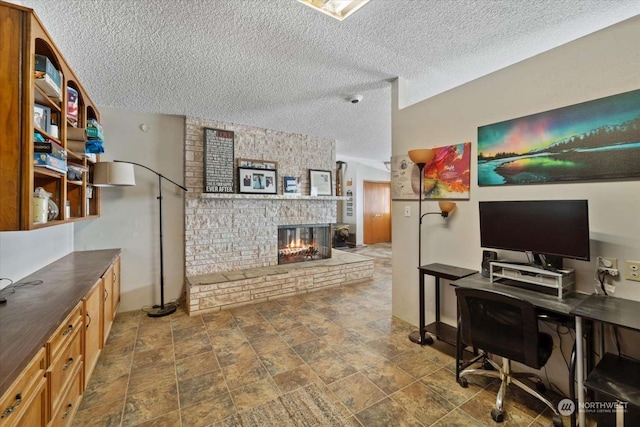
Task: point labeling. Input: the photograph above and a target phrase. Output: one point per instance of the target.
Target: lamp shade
(446, 207)
(109, 174)
(422, 155)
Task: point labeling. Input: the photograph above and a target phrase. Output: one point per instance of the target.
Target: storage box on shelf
(31, 70)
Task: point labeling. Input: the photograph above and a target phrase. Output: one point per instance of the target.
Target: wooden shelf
(20, 176)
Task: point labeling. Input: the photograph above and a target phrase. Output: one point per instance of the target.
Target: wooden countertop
(32, 314)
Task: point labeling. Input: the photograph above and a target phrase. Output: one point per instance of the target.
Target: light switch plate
(407, 211)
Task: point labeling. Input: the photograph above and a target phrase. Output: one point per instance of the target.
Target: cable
(560, 339)
(601, 277)
(11, 288)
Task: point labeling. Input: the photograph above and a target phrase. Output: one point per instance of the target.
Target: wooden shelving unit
(22, 37)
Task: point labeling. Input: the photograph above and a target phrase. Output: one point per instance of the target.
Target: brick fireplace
(231, 251)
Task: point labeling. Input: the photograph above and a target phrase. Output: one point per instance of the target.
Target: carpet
(307, 406)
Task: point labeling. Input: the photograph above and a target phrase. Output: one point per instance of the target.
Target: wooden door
(377, 212)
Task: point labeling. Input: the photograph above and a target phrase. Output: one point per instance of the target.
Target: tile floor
(195, 371)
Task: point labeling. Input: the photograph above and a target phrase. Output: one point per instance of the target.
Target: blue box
(50, 162)
(47, 77)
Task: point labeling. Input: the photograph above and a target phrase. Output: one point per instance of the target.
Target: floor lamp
(422, 157)
(120, 173)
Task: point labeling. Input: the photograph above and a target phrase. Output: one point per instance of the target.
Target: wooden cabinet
(22, 37)
(47, 390)
(25, 404)
(107, 303)
(92, 328)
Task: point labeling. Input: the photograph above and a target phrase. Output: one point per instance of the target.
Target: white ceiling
(279, 64)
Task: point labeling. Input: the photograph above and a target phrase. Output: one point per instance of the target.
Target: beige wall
(602, 64)
(129, 215)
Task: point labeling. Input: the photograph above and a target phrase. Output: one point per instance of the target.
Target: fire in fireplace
(303, 242)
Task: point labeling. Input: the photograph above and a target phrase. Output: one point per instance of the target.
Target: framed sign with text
(218, 161)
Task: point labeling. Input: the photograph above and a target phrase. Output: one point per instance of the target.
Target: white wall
(359, 171)
(24, 252)
(129, 215)
(602, 64)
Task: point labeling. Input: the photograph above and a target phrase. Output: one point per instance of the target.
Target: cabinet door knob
(13, 407)
(68, 364)
(66, 331)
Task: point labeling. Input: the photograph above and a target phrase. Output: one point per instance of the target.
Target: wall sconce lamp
(422, 157)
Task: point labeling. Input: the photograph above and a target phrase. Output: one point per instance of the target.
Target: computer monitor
(549, 229)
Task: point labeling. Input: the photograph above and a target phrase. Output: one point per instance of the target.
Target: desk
(614, 311)
(543, 302)
(437, 328)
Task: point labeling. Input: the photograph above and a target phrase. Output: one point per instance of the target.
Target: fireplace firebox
(303, 242)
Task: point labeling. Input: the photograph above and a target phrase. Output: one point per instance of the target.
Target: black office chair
(504, 326)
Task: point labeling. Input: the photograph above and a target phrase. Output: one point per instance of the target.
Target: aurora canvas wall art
(594, 140)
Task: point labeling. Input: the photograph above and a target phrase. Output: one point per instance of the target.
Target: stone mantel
(227, 196)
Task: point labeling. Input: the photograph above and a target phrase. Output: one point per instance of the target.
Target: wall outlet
(607, 262)
(632, 270)
(407, 211)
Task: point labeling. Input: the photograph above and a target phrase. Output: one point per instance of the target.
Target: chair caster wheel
(498, 416)
(557, 421)
(463, 382)
(540, 387)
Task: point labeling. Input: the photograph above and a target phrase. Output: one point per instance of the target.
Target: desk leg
(420, 336)
(580, 371)
(437, 299)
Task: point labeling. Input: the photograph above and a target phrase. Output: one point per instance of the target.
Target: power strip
(610, 271)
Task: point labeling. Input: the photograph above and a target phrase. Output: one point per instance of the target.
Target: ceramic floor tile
(243, 373)
(388, 377)
(281, 361)
(387, 412)
(356, 392)
(172, 419)
(195, 389)
(423, 403)
(255, 394)
(298, 335)
(332, 368)
(104, 415)
(150, 404)
(191, 366)
(208, 411)
(196, 371)
(296, 378)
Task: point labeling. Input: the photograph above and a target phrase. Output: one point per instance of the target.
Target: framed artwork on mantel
(257, 181)
(320, 183)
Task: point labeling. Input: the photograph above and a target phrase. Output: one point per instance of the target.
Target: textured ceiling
(281, 65)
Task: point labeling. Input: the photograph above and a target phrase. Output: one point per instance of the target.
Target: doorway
(376, 212)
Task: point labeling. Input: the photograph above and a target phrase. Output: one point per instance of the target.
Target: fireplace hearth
(303, 242)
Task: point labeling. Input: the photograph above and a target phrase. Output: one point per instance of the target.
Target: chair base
(507, 377)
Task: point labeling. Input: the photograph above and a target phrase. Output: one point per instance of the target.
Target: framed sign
(320, 180)
(218, 161)
(257, 181)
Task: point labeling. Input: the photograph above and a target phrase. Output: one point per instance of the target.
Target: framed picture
(42, 117)
(257, 181)
(290, 185)
(320, 182)
(257, 164)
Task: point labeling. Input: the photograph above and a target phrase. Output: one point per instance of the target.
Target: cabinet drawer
(20, 397)
(64, 367)
(69, 403)
(63, 334)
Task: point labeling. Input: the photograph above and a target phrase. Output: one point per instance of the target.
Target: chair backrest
(499, 324)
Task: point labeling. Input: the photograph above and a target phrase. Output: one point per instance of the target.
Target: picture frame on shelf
(257, 164)
(320, 182)
(42, 117)
(257, 181)
(290, 185)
